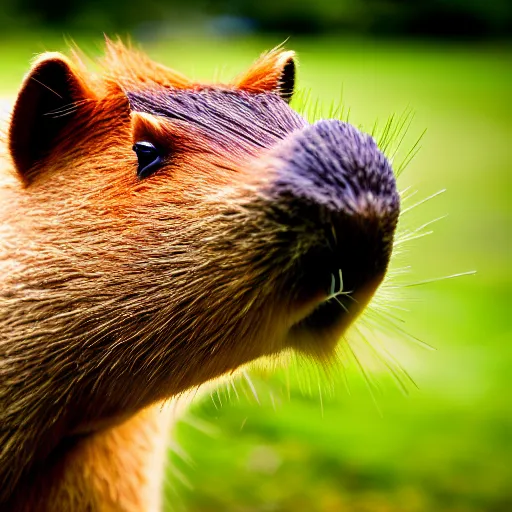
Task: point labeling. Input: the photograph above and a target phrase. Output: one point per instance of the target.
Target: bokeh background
(295, 439)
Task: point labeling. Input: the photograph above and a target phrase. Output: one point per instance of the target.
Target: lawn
(318, 444)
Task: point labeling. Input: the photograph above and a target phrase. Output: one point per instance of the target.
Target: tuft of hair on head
(274, 71)
(130, 67)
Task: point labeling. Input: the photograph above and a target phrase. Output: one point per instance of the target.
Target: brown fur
(115, 469)
(115, 293)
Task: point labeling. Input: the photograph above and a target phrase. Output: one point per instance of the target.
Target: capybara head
(161, 232)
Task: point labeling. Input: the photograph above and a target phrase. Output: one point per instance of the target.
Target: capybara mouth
(330, 317)
(326, 318)
(336, 283)
(328, 312)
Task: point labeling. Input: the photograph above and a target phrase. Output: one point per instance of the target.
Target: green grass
(448, 445)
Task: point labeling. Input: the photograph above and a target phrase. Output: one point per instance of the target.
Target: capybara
(157, 233)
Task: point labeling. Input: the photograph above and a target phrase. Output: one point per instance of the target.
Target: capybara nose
(337, 193)
(336, 166)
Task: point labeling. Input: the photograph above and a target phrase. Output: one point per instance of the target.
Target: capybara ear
(272, 72)
(49, 100)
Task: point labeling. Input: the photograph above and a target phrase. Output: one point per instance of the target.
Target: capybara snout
(330, 197)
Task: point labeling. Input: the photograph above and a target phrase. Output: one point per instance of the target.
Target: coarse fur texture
(119, 293)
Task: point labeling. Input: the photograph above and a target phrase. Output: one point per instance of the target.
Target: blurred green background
(310, 442)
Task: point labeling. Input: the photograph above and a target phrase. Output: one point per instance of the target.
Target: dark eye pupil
(149, 158)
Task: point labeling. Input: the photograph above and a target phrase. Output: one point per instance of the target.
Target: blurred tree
(423, 18)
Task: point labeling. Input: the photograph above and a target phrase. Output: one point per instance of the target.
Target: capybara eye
(149, 158)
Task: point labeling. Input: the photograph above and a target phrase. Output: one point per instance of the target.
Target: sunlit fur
(118, 293)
